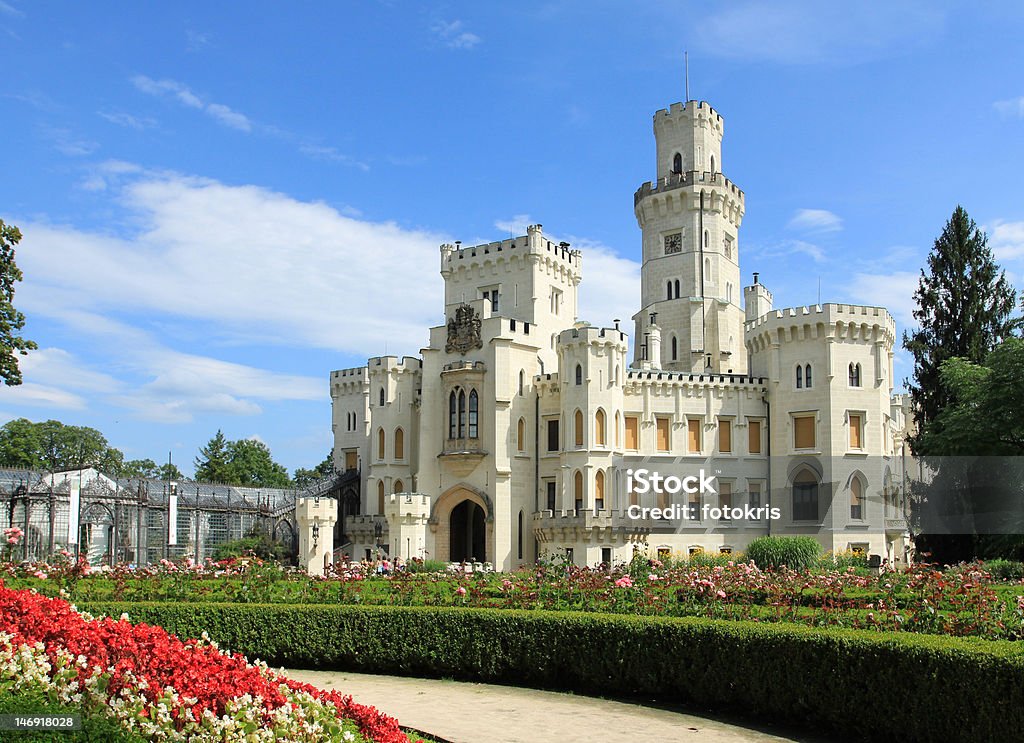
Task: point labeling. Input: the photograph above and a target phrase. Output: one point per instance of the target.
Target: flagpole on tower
(686, 68)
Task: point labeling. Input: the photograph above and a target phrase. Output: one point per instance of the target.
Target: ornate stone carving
(463, 331)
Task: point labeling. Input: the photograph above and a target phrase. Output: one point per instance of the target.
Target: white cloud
(41, 395)
(809, 32)
(611, 285)
(67, 143)
(1006, 239)
(453, 35)
(789, 247)
(331, 154)
(894, 291)
(9, 9)
(1010, 107)
(128, 120)
(815, 220)
(181, 92)
(515, 225)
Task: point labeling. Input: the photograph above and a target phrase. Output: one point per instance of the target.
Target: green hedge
(864, 685)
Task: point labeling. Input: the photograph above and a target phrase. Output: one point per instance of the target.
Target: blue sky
(223, 202)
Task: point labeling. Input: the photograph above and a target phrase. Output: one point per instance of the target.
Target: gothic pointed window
(713, 164)
(677, 163)
(399, 443)
(675, 348)
(578, 425)
(452, 414)
(707, 239)
(677, 288)
(474, 402)
(600, 430)
(382, 397)
(668, 290)
(462, 414)
(380, 496)
(807, 376)
(855, 375)
(579, 375)
(521, 435)
(380, 444)
(522, 380)
(799, 376)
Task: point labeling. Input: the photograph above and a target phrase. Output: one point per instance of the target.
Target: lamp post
(316, 534)
(378, 532)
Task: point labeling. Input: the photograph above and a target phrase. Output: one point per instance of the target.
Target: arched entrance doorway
(467, 533)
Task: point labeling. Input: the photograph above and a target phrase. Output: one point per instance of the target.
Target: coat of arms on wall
(463, 331)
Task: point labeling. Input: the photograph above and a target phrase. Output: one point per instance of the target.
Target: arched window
(728, 291)
(399, 487)
(677, 163)
(668, 290)
(856, 499)
(707, 239)
(799, 376)
(600, 439)
(474, 404)
(578, 420)
(675, 348)
(579, 375)
(807, 376)
(577, 490)
(399, 443)
(521, 435)
(452, 414)
(380, 443)
(707, 270)
(462, 414)
(599, 490)
(380, 496)
(712, 163)
(616, 374)
(382, 397)
(618, 438)
(855, 375)
(805, 496)
(522, 380)
(677, 288)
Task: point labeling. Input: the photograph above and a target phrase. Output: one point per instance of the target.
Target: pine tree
(213, 464)
(964, 308)
(11, 344)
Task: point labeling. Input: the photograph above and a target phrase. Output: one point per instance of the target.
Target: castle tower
(690, 218)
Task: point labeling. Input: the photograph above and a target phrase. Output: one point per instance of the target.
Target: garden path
(483, 713)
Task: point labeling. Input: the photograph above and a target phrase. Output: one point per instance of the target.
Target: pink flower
(624, 582)
(461, 591)
(720, 594)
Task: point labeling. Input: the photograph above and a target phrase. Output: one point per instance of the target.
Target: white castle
(513, 435)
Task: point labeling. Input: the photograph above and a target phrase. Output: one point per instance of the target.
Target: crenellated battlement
(590, 335)
(689, 178)
(839, 316)
(690, 110)
(455, 256)
(356, 372)
(387, 364)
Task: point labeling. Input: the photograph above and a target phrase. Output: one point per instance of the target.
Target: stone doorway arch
(462, 520)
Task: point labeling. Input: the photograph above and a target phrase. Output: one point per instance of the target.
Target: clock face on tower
(674, 243)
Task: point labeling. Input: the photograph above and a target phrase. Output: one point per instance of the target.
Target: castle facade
(520, 431)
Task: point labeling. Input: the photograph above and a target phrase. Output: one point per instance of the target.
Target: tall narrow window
(856, 432)
(799, 377)
(855, 375)
(462, 414)
(474, 402)
(724, 435)
(380, 443)
(618, 437)
(553, 437)
(579, 375)
(856, 499)
(677, 163)
(754, 437)
(522, 380)
(668, 290)
(676, 285)
(664, 434)
(380, 496)
(805, 497)
(693, 435)
(519, 537)
(807, 376)
(578, 427)
(382, 397)
(521, 435)
(600, 437)
(675, 348)
(551, 495)
(599, 490)
(632, 432)
(399, 443)
(452, 414)
(712, 164)
(707, 239)
(577, 491)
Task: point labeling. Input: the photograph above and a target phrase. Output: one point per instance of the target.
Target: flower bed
(966, 601)
(164, 688)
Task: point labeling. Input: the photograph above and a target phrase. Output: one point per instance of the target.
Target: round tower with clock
(690, 281)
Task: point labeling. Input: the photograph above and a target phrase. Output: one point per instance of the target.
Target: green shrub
(797, 553)
(1005, 569)
(950, 689)
(713, 559)
(96, 726)
(426, 566)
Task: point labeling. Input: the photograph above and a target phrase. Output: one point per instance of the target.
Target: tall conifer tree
(965, 307)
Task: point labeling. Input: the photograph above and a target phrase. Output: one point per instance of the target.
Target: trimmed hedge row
(865, 685)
